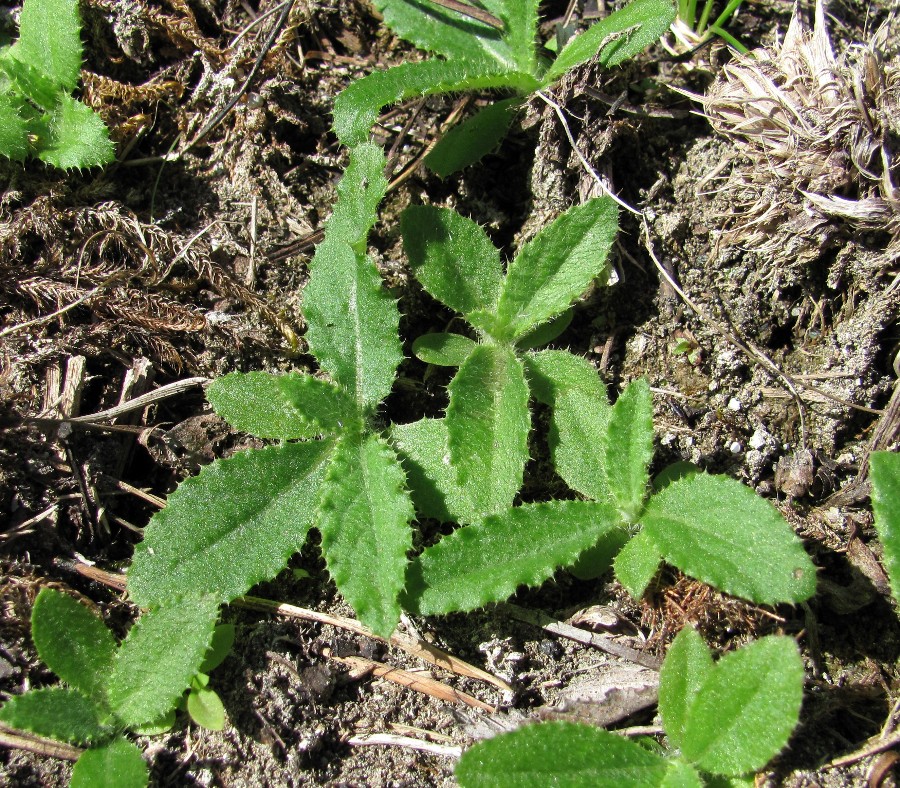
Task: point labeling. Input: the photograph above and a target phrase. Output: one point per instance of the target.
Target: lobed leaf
(603, 38)
(13, 130)
(443, 349)
(637, 563)
(629, 448)
(885, 474)
(58, 713)
(280, 406)
(50, 40)
(155, 663)
(556, 267)
(721, 532)
(232, 526)
(118, 764)
(579, 418)
(687, 667)
(364, 519)
(486, 562)
(744, 712)
(77, 137)
(425, 454)
(452, 257)
(83, 657)
(487, 426)
(560, 753)
(357, 107)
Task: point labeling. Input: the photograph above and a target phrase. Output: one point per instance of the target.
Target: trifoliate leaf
(364, 519)
(556, 267)
(487, 424)
(885, 475)
(452, 257)
(58, 713)
(745, 710)
(629, 448)
(560, 753)
(637, 563)
(721, 532)
(118, 764)
(78, 137)
(486, 562)
(687, 667)
(84, 656)
(155, 663)
(232, 526)
(443, 349)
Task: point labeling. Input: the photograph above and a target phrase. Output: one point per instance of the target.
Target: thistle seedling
(722, 719)
(498, 51)
(691, 31)
(110, 689)
(468, 466)
(38, 73)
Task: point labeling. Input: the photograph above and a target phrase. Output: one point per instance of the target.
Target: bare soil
(192, 265)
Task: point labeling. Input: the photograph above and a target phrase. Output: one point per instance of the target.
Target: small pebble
(735, 447)
(734, 404)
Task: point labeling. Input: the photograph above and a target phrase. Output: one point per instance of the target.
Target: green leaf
(654, 18)
(424, 451)
(688, 665)
(364, 519)
(579, 421)
(486, 562)
(117, 765)
(280, 406)
(222, 641)
(357, 107)
(444, 350)
(545, 332)
(745, 711)
(352, 321)
(487, 424)
(629, 448)
(885, 474)
(721, 532)
(206, 709)
(473, 139)
(556, 267)
(156, 728)
(597, 560)
(155, 663)
(560, 753)
(637, 564)
(452, 257)
(58, 713)
(78, 137)
(681, 775)
(50, 40)
(13, 130)
(83, 657)
(520, 34)
(232, 526)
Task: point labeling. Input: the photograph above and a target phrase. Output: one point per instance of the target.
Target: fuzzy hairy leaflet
(560, 753)
(84, 656)
(232, 526)
(487, 424)
(486, 562)
(885, 474)
(364, 519)
(352, 321)
(556, 267)
(58, 713)
(580, 414)
(77, 136)
(118, 764)
(356, 108)
(687, 667)
(652, 17)
(452, 257)
(721, 532)
(629, 448)
(155, 663)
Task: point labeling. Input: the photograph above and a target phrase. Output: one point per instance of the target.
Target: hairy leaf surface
(885, 475)
(487, 423)
(580, 415)
(560, 753)
(486, 562)
(721, 532)
(13, 130)
(364, 519)
(50, 40)
(636, 564)
(232, 526)
(687, 667)
(545, 332)
(78, 137)
(357, 107)
(629, 448)
(653, 18)
(556, 266)
(118, 764)
(83, 657)
(425, 454)
(745, 710)
(155, 663)
(452, 257)
(443, 349)
(56, 712)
